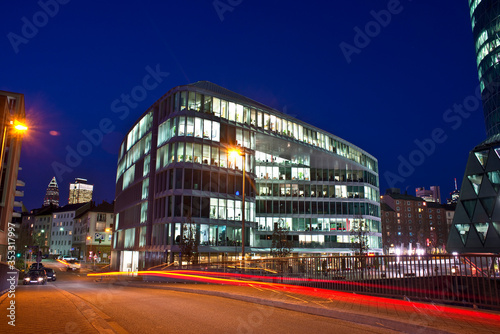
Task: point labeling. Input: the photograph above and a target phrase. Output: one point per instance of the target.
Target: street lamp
(21, 127)
(235, 153)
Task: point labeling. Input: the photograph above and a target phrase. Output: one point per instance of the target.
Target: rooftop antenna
(455, 183)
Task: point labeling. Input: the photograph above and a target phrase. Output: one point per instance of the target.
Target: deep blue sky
(394, 91)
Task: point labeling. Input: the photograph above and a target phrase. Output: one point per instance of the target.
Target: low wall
(8, 278)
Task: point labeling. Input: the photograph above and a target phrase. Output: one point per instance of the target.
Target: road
(79, 304)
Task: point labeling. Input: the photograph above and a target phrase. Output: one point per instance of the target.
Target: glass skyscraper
(175, 170)
(476, 223)
(485, 21)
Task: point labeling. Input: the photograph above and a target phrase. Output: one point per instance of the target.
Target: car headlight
(40, 278)
(26, 278)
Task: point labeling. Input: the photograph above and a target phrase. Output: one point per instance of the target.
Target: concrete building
(410, 223)
(12, 118)
(80, 191)
(93, 233)
(176, 169)
(61, 236)
(42, 228)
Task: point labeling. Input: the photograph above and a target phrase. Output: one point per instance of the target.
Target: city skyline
(404, 90)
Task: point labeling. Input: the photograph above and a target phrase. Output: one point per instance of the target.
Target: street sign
(99, 236)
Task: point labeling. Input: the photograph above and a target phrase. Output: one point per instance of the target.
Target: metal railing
(462, 280)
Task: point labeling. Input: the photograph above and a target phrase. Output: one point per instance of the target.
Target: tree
(359, 240)
(359, 236)
(280, 245)
(189, 242)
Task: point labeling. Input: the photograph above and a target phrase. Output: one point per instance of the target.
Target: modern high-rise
(52, 193)
(454, 195)
(12, 119)
(476, 224)
(176, 169)
(80, 191)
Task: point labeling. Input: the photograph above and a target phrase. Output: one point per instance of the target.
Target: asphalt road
(79, 304)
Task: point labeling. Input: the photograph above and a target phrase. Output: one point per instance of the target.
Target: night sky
(401, 80)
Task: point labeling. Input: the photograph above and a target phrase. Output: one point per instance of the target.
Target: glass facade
(174, 168)
(485, 21)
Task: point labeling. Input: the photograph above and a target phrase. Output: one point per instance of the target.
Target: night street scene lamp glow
(21, 127)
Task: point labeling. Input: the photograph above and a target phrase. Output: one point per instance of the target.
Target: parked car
(51, 274)
(35, 277)
(73, 265)
(36, 266)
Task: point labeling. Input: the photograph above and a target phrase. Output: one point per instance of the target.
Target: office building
(430, 195)
(51, 194)
(42, 228)
(476, 226)
(410, 223)
(80, 191)
(93, 233)
(61, 235)
(454, 195)
(176, 169)
(12, 118)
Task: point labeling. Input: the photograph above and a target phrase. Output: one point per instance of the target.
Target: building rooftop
(385, 207)
(405, 197)
(70, 207)
(210, 86)
(103, 207)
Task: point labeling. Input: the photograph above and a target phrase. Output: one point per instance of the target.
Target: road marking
(255, 287)
(320, 304)
(305, 301)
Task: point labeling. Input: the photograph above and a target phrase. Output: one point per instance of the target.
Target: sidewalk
(393, 314)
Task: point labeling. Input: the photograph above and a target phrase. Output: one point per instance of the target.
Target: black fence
(461, 280)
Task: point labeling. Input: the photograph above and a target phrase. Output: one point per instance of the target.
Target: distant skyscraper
(52, 194)
(431, 195)
(454, 195)
(80, 191)
(476, 226)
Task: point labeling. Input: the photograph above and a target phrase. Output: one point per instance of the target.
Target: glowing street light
(19, 126)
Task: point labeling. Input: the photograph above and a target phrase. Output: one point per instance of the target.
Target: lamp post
(234, 153)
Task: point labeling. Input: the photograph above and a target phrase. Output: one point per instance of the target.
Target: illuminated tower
(476, 223)
(485, 29)
(52, 194)
(80, 191)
